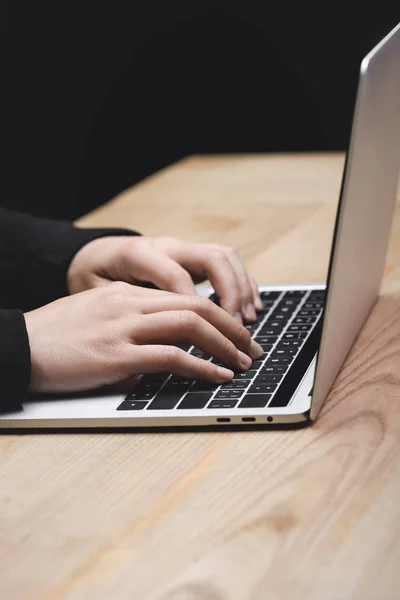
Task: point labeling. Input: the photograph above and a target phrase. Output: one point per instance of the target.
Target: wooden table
(308, 514)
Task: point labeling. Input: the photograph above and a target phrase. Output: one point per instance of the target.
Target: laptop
(306, 331)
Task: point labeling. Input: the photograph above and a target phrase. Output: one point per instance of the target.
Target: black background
(95, 96)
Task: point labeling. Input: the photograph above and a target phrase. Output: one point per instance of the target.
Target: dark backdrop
(95, 96)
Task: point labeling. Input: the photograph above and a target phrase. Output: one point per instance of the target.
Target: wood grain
(279, 515)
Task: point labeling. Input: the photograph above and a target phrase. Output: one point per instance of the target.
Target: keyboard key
(237, 384)
(216, 361)
(180, 380)
(303, 334)
(313, 305)
(262, 339)
(279, 317)
(192, 401)
(304, 320)
(316, 297)
(255, 401)
(152, 377)
(262, 388)
(286, 351)
(274, 331)
(274, 369)
(145, 389)
(289, 344)
(142, 395)
(295, 294)
(308, 313)
(245, 374)
(200, 354)
(256, 364)
(132, 405)
(263, 317)
(263, 378)
(266, 347)
(227, 393)
(269, 295)
(292, 335)
(276, 324)
(267, 305)
(221, 403)
(252, 327)
(203, 386)
(165, 401)
(279, 360)
(151, 386)
(299, 327)
(290, 302)
(171, 388)
(269, 339)
(281, 309)
(184, 346)
(146, 385)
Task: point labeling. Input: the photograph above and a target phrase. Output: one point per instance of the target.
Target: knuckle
(169, 356)
(233, 302)
(199, 304)
(188, 320)
(114, 299)
(177, 277)
(243, 336)
(183, 276)
(119, 287)
(203, 369)
(230, 250)
(216, 252)
(224, 250)
(229, 348)
(168, 240)
(113, 347)
(247, 294)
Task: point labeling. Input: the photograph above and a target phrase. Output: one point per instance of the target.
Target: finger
(247, 295)
(256, 294)
(209, 311)
(185, 325)
(154, 266)
(137, 290)
(211, 262)
(154, 359)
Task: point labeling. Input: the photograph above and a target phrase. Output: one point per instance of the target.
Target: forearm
(35, 255)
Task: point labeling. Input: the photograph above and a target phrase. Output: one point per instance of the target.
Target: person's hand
(169, 264)
(107, 335)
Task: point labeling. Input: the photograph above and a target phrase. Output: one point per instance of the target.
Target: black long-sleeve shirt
(35, 255)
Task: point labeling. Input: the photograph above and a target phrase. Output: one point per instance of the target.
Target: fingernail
(250, 313)
(224, 374)
(244, 360)
(238, 317)
(257, 303)
(256, 349)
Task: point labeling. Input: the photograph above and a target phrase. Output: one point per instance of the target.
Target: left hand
(171, 265)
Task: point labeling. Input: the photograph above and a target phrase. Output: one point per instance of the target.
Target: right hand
(108, 334)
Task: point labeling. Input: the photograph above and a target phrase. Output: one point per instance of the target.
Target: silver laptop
(306, 330)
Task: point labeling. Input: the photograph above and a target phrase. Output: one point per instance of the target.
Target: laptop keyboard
(284, 325)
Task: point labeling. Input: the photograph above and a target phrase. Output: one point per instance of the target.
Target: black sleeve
(35, 255)
(15, 360)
